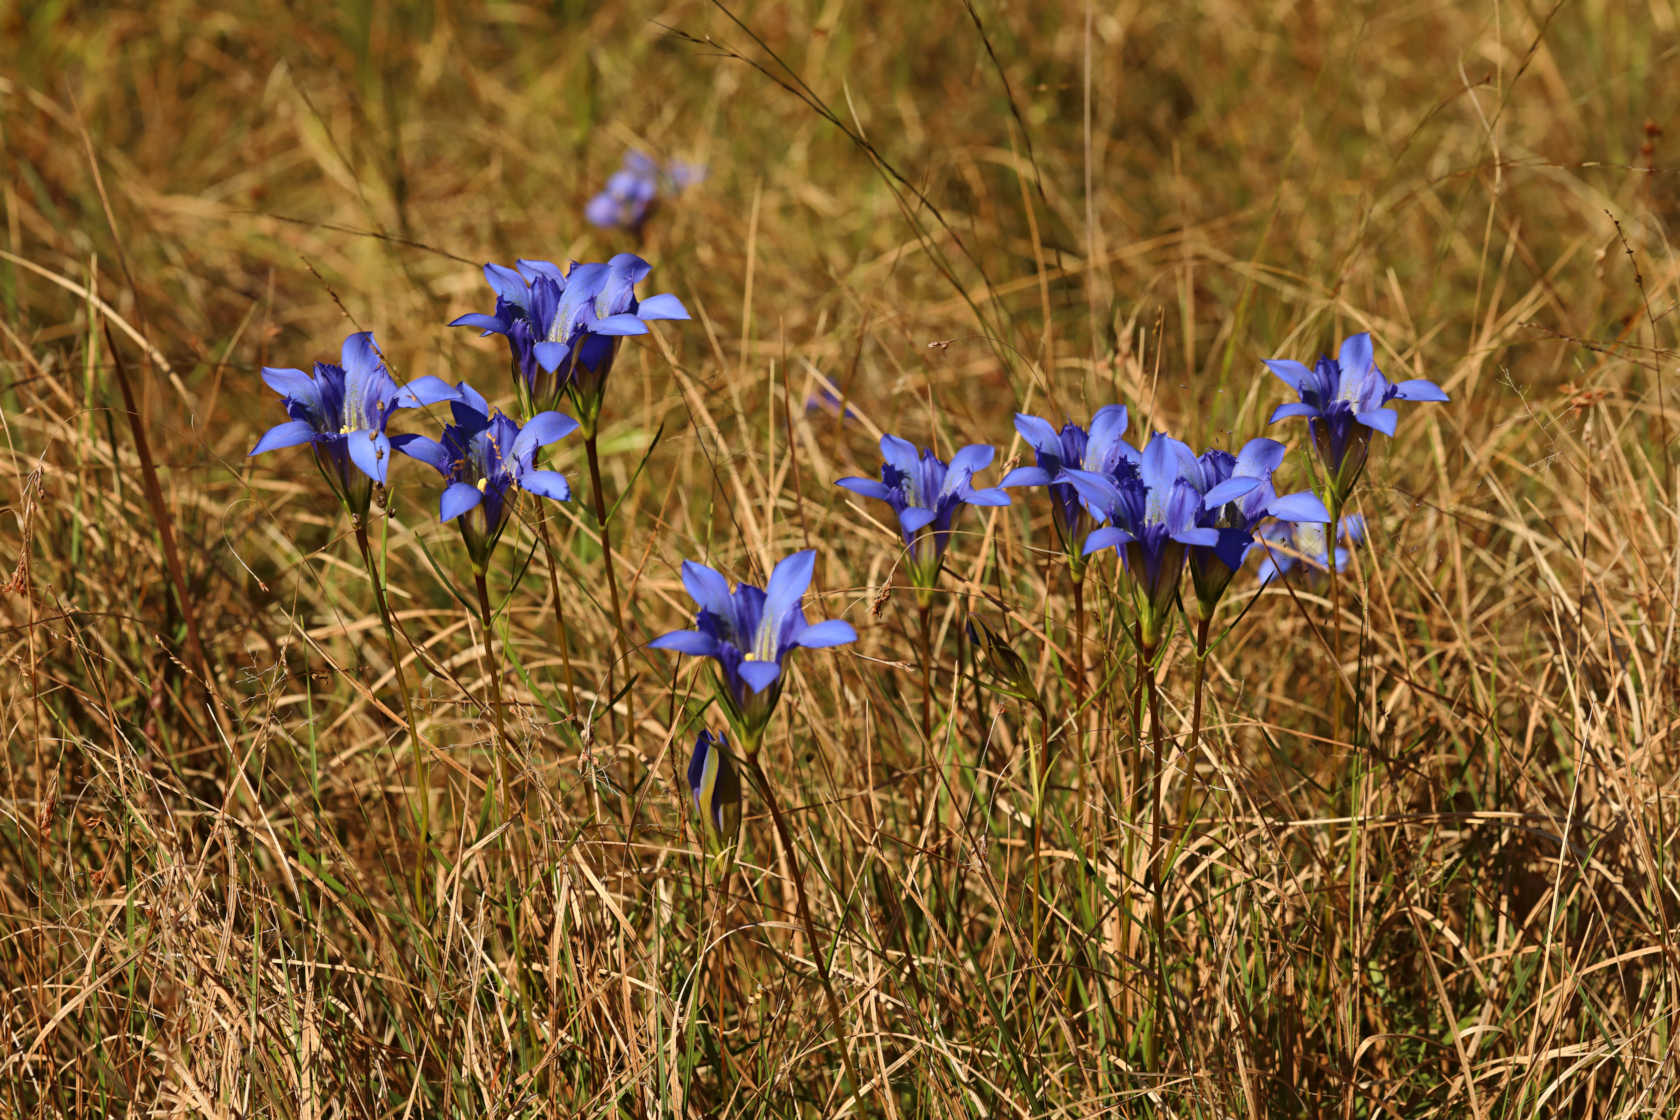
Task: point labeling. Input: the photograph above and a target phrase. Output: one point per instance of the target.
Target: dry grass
(1466, 908)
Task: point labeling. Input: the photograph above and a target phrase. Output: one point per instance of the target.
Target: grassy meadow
(1408, 851)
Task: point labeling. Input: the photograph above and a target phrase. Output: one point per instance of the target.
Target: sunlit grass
(216, 895)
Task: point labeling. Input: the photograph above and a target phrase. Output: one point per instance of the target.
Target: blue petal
(1095, 488)
(914, 518)
(507, 283)
(1106, 537)
(531, 269)
(489, 324)
(760, 675)
(1039, 434)
(821, 635)
(294, 385)
(901, 455)
(618, 325)
(549, 355)
(1356, 355)
(707, 588)
(540, 431)
(787, 585)
(602, 210)
(1026, 476)
(868, 487)
(1293, 374)
(289, 434)
(360, 357)
(968, 460)
(987, 497)
(546, 484)
(1305, 506)
(1259, 458)
(1293, 408)
(1381, 420)
(662, 306)
(426, 390)
(687, 641)
(423, 448)
(457, 499)
(371, 452)
(1418, 389)
(1228, 491)
(1206, 538)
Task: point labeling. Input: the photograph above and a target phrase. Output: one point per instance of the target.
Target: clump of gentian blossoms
(341, 412)
(926, 494)
(1345, 401)
(632, 192)
(747, 632)
(563, 326)
(486, 459)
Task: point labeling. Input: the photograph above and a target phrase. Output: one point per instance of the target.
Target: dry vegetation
(1465, 907)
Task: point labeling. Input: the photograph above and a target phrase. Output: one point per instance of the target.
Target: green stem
(786, 839)
(1154, 876)
(926, 613)
(590, 449)
(422, 780)
(494, 673)
(1202, 627)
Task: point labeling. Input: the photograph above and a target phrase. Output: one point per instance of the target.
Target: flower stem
(769, 794)
(561, 638)
(1202, 627)
(422, 780)
(589, 446)
(491, 671)
(1154, 876)
(925, 611)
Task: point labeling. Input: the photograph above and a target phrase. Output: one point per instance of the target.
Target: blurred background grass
(945, 213)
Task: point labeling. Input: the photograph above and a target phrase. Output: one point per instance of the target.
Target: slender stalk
(1154, 876)
(561, 637)
(1202, 627)
(1040, 767)
(494, 673)
(422, 781)
(925, 610)
(589, 446)
(768, 792)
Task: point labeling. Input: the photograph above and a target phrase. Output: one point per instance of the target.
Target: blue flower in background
(563, 327)
(1102, 450)
(485, 456)
(1306, 543)
(1237, 495)
(715, 785)
(632, 192)
(1152, 521)
(1345, 401)
(748, 632)
(341, 411)
(926, 494)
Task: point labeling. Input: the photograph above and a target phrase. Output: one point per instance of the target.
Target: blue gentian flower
(486, 456)
(1237, 495)
(341, 412)
(628, 197)
(1345, 400)
(563, 327)
(926, 494)
(748, 632)
(715, 785)
(1152, 521)
(1306, 543)
(1102, 450)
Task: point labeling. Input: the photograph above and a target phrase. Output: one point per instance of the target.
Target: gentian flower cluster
(748, 632)
(1102, 450)
(1345, 401)
(926, 494)
(1237, 495)
(715, 785)
(1307, 543)
(486, 457)
(632, 192)
(563, 327)
(1153, 519)
(341, 412)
